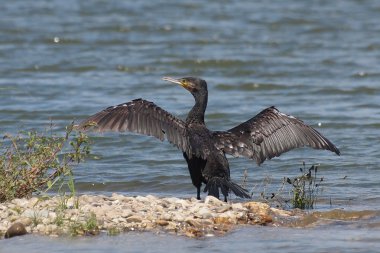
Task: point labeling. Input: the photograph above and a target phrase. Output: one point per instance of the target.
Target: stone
(20, 202)
(193, 223)
(16, 229)
(205, 213)
(193, 232)
(134, 218)
(221, 220)
(178, 217)
(223, 209)
(257, 207)
(126, 213)
(211, 200)
(237, 206)
(162, 222)
(166, 216)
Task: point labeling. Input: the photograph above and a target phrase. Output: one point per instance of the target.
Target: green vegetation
(89, 227)
(36, 219)
(59, 219)
(305, 188)
(303, 193)
(32, 162)
(113, 231)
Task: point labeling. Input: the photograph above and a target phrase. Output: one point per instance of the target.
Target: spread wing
(143, 117)
(270, 133)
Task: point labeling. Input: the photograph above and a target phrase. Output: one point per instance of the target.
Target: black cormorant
(270, 133)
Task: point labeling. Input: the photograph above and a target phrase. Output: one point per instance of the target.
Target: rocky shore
(91, 215)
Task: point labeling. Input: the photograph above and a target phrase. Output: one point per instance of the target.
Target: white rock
(238, 206)
(126, 213)
(178, 217)
(205, 213)
(20, 202)
(211, 200)
(166, 216)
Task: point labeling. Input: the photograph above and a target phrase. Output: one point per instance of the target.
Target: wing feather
(143, 117)
(270, 133)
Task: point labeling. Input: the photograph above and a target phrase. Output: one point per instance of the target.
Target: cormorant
(268, 134)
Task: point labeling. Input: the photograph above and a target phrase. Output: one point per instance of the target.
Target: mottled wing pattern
(143, 117)
(270, 133)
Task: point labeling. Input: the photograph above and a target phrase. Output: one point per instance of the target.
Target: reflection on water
(64, 60)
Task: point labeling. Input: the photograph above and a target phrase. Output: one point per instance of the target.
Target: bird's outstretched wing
(143, 117)
(270, 133)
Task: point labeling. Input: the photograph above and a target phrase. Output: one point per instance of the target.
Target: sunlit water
(319, 61)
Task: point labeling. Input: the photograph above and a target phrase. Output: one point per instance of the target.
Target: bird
(264, 136)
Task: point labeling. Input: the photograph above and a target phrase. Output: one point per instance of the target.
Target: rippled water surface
(319, 61)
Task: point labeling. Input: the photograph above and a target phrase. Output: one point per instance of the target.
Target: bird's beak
(181, 82)
(172, 80)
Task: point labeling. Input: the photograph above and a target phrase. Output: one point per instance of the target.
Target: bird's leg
(225, 198)
(198, 192)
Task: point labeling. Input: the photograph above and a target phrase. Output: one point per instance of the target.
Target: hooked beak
(172, 80)
(182, 82)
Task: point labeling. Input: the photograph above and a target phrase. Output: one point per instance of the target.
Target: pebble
(189, 217)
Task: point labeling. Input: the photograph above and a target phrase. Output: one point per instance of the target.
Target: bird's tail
(225, 186)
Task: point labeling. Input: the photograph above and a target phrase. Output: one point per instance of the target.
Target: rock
(16, 229)
(193, 223)
(142, 199)
(41, 228)
(193, 232)
(71, 202)
(162, 222)
(205, 213)
(257, 207)
(3, 207)
(280, 212)
(211, 200)
(258, 213)
(166, 216)
(223, 209)
(126, 213)
(178, 217)
(4, 214)
(134, 218)
(237, 206)
(20, 202)
(221, 220)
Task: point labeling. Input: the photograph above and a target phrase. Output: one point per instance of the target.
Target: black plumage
(270, 133)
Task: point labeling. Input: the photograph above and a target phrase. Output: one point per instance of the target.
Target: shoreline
(92, 214)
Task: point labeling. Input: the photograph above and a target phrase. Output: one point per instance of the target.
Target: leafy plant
(34, 162)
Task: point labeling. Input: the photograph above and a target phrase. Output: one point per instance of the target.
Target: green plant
(36, 219)
(59, 219)
(113, 231)
(76, 228)
(305, 188)
(91, 223)
(34, 162)
(89, 227)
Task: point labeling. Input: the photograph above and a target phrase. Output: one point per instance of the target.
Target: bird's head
(196, 86)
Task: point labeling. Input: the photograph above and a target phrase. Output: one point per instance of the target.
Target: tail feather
(225, 186)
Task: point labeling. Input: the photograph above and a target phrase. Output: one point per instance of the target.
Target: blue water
(65, 60)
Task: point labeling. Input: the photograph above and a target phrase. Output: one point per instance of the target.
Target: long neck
(197, 113)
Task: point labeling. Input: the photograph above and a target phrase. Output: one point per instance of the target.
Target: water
(319, 61)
